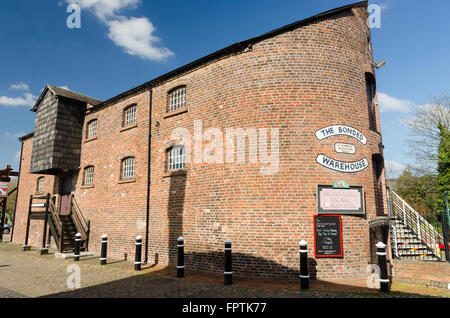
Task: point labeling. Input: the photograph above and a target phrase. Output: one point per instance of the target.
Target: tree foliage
(443, 178)
(11, 201)
(427, 126)
(419, 190)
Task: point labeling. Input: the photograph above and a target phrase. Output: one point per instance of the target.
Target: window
(89, 175)
(176, 158)
(40, 184)
(128, 168)
(371, 91)
(129, 116)
(92, 129)
(177, 99)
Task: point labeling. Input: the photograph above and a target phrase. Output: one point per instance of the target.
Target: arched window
(176, 158)
(127, 168)
(371, 91)
(89, 175)
(177, 98)
(129, 116)
(40, 184)
(92, 129)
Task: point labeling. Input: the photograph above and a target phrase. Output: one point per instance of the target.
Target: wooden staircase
(61, 227)
(68, 242)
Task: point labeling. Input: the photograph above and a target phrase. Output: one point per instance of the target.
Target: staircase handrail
(55, 224)
(417, 223)
(78, 218)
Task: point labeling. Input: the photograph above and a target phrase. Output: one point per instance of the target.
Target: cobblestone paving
(26, 274)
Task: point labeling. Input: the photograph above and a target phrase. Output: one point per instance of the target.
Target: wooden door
(65, 195)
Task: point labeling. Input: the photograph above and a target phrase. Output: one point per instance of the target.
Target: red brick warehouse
(308, 88)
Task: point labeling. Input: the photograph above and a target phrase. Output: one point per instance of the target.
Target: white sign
(337, 130)
(342, 166)
(345, 148)
(3, 189)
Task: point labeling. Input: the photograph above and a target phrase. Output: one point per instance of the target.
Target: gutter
(149, 158)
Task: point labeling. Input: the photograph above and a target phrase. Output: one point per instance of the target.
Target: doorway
(65, 195)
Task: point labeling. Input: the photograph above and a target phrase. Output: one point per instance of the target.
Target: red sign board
(3, 189)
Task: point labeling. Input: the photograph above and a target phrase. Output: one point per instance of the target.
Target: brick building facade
(298, 79)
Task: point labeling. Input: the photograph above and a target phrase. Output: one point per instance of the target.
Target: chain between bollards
(304, 276)
(180, 262)
(137, 259)
(382, 263)
(104, 249)
(228, 272)
(76, 252)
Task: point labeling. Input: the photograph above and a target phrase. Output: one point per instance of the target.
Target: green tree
(419, 190)
(11, 201)
(443, 178)
(427, 125)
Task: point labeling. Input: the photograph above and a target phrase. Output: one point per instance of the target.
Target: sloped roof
(58, 91)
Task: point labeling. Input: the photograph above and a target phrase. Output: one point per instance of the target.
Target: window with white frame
(177, 99)
(129, 115)
(40, 184)
(92, 129)
(176, 158)
(89, 175)
(128, 168)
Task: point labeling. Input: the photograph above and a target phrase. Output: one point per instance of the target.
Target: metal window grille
(176, 158)
(177, 99)
(92, 129)
(128, 168)
(89, 175)
(129, 117)
(41, 183)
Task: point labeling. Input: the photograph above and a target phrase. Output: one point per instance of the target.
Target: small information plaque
(328, 236)
(340, 200)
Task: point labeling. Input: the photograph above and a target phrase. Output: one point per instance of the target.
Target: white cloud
(19, 86)
(394, 168)
(105, 9)
(391, 104)
(134, 35)
(26, 100)
(17, 156)
(65, 87)
(14, 135)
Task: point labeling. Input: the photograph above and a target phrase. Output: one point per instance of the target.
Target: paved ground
(27, 274)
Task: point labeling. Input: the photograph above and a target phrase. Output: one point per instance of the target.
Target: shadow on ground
(161, 282)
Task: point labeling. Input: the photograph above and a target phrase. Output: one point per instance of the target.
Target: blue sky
(124, 43)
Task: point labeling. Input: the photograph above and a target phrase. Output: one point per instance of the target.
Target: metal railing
(421, 228)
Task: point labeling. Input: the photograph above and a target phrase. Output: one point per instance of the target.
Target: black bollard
(180, 263)
(228, 273)
(104, 249)
(304, 276)
(76, 252)
(384, 280)
(137, 259)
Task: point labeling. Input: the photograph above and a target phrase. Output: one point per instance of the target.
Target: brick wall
(298, 82)
(27, 187)
(420, 272)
